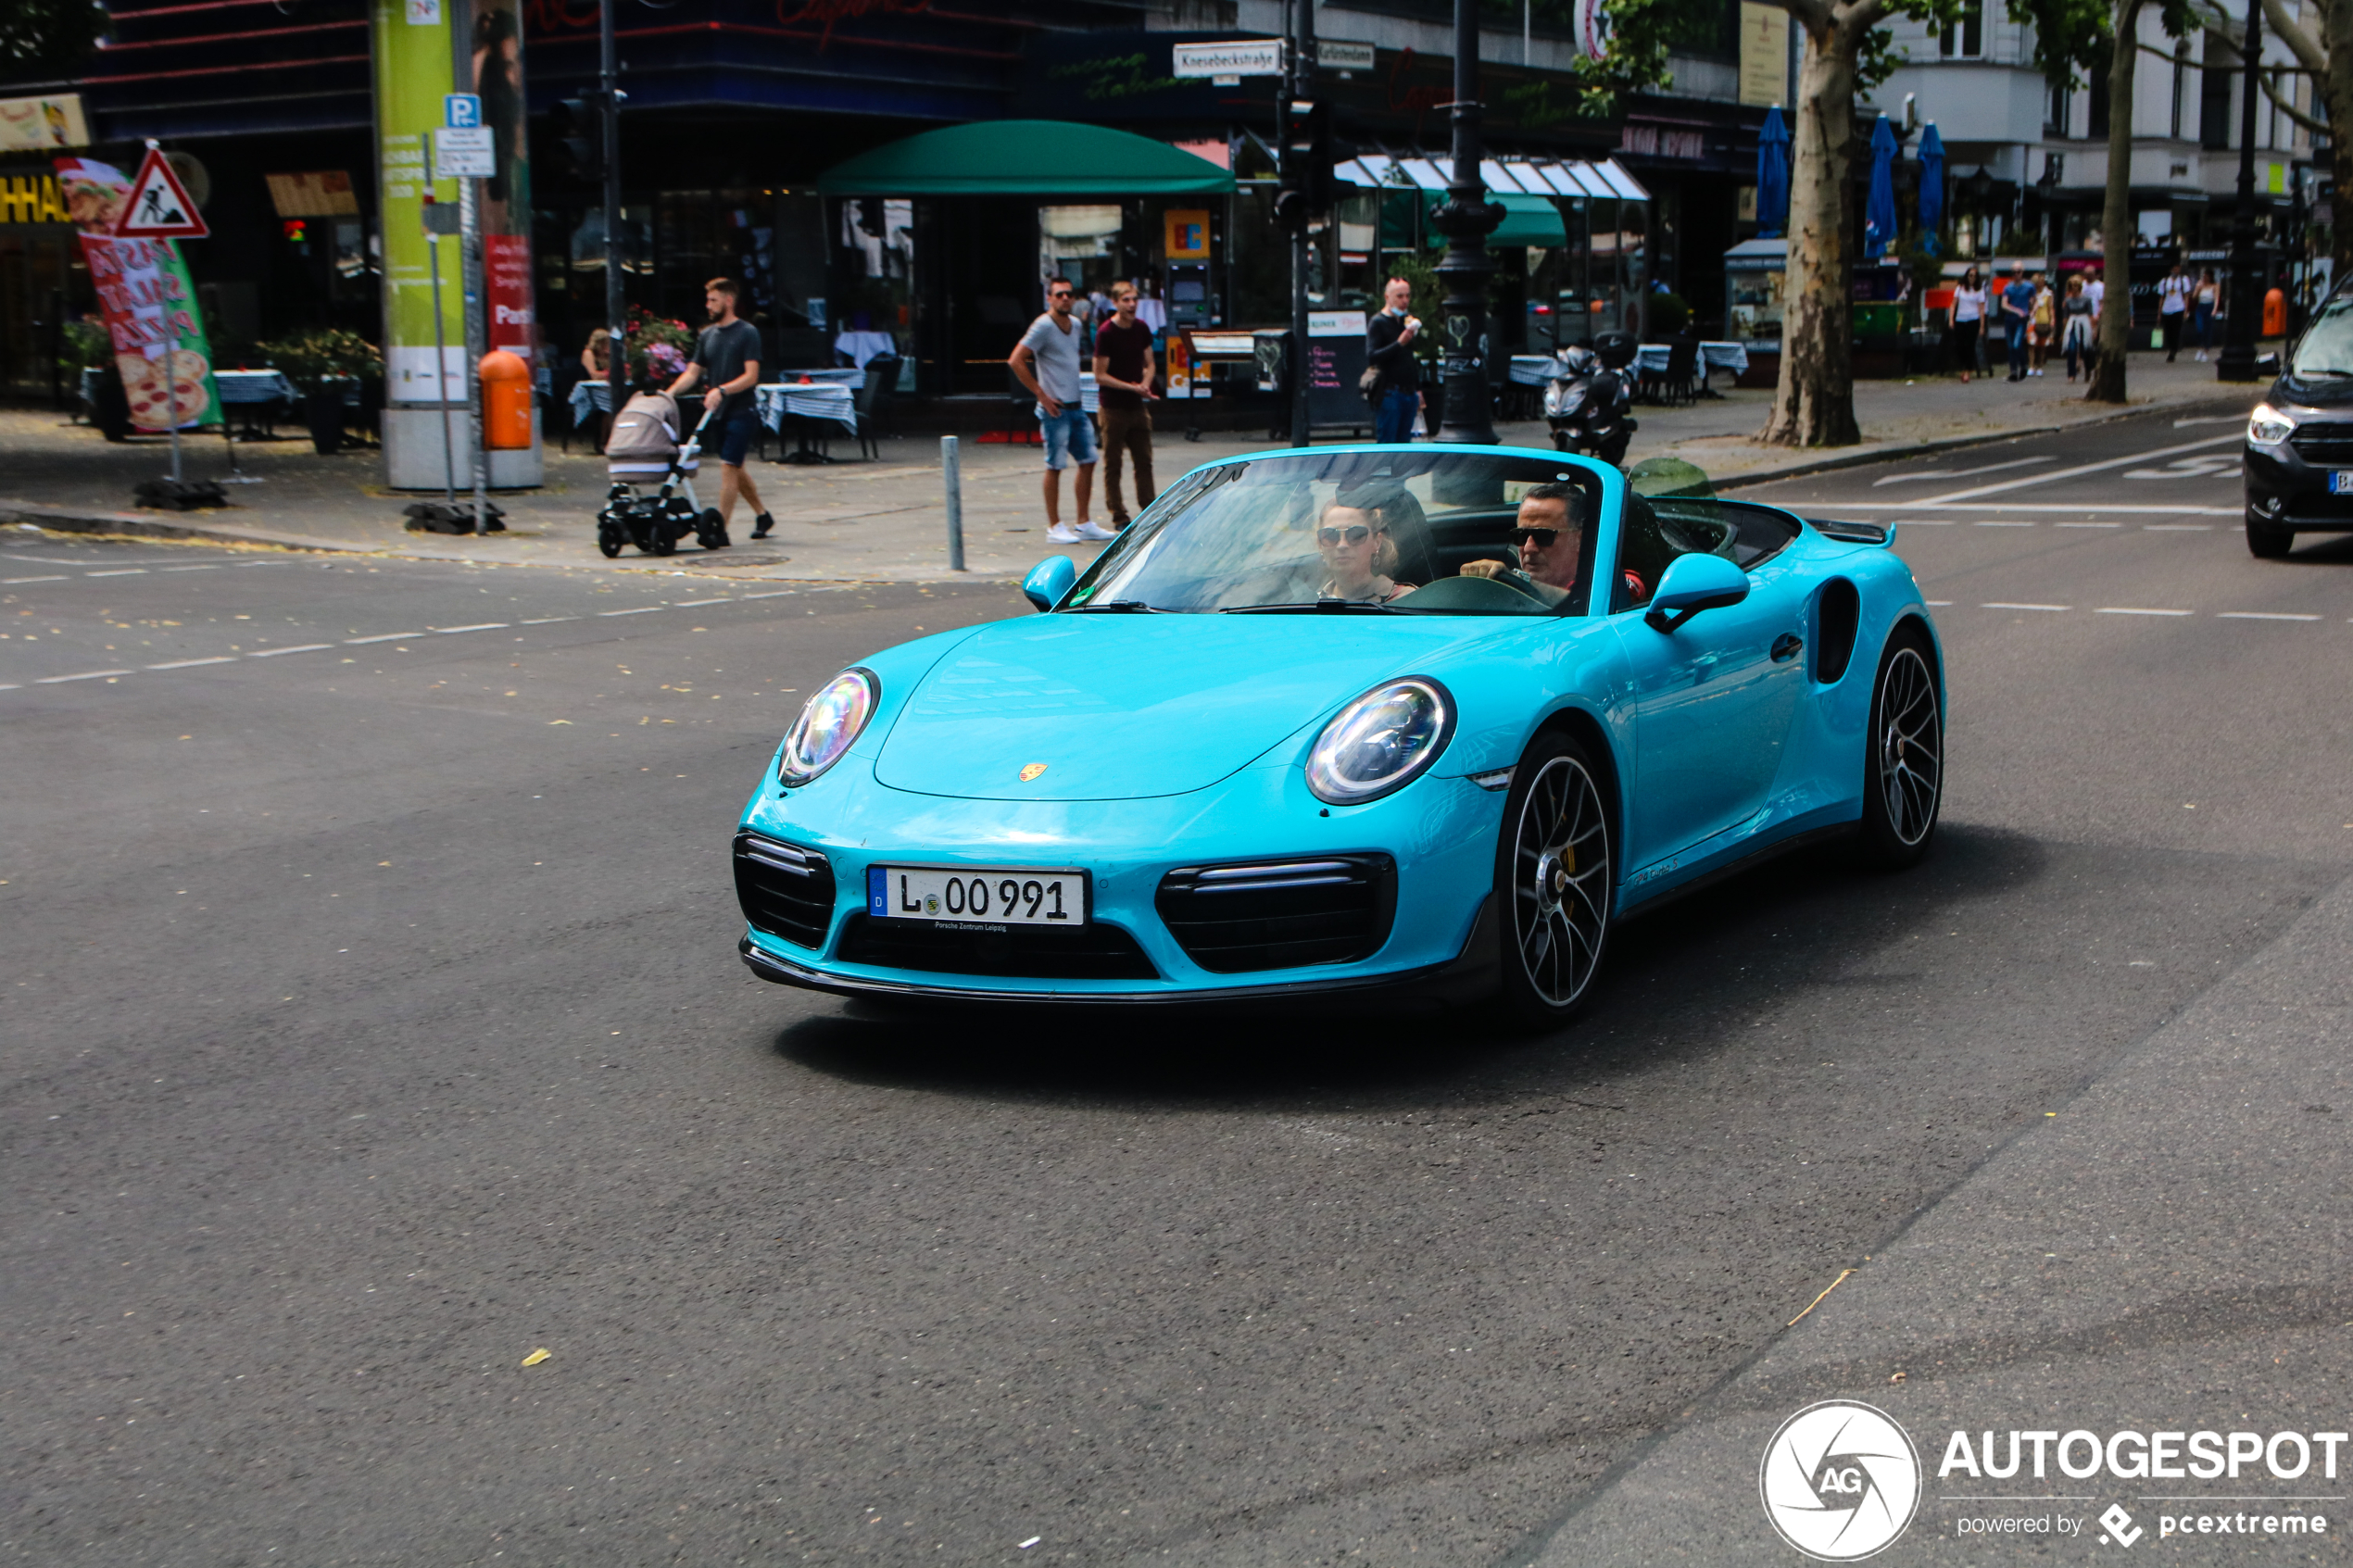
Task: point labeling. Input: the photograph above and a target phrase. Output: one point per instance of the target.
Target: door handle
(1786, 647)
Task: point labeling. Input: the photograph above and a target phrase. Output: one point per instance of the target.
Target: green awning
(1029, 157)
(1528, 220)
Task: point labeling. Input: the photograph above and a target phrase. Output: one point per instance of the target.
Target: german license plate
(976, 895)
(2341, 481)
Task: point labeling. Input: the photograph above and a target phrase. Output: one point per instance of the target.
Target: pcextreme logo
(1840, 1480)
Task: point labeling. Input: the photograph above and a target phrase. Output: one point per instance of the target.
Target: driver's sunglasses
(1355, 534)
(1544, 537)
(1058, 294)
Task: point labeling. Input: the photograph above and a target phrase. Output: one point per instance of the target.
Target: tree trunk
(2116, 220)
(2335, 87)
(1814, 403)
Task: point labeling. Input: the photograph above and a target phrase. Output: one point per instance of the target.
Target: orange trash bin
(506, 401)
(2275, 314)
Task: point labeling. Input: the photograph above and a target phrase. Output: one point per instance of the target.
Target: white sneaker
(1091, 530)
(2201, 355)
(1062, 534)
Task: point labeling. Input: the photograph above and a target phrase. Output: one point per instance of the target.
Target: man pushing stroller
(727, 354)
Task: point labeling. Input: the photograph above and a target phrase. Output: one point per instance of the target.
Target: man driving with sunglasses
(1550, 540)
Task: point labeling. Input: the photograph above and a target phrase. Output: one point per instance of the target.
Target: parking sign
(461, 111)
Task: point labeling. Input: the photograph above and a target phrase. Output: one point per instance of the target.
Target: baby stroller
(643, 449)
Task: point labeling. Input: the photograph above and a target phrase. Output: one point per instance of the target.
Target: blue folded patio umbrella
(1772, 175)
(1879, 212)
(1931, 186)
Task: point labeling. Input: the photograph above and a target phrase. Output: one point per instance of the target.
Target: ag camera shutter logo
(1840, 1481)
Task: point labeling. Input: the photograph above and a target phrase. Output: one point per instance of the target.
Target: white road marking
(698, 604)
(546, 620)
(2058, 474)
(214, 567)
(85, 675)
(2120, 609)
(382, 637)
(2090, 525)
(2004, 522)
(2210, 420)
(119, 571)
(2261, 615)
(641, 609)
(301, 648)
(485, 626)
(780, 593)
(2177, 528)
(1939, 604)
(11, 582)
(1961, 474)
(1999, 605)
(192, 663)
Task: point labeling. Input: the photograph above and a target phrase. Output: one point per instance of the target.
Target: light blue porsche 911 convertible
(1421, 721)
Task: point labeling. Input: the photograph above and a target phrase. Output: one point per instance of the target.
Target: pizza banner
(148, 302)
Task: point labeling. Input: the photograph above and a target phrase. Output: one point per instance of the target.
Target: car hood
(1118, 706)
(2317, 392)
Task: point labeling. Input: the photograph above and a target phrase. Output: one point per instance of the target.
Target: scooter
(1589, 399)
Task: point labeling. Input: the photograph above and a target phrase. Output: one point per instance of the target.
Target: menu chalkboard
(1335, 360)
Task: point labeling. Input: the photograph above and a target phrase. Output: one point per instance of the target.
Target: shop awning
(1534, 177)
(1025, 157)
(1528, 220)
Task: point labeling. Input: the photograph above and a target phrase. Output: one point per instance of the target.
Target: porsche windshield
(1399, 531)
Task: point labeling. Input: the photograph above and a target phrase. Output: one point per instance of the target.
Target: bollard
(953, 477)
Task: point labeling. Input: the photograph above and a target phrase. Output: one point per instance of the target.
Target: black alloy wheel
(1904, 768)
(1555, 881)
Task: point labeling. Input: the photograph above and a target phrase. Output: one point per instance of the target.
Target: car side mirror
(1693, 583)
(1049, 581)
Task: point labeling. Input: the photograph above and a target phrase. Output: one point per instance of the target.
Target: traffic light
(580, 133)
(297, 231)
(1304, 191)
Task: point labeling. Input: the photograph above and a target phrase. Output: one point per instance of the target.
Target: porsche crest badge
(1032, 770)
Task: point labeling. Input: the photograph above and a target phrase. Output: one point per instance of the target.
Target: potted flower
(659, 349)
(320, 364)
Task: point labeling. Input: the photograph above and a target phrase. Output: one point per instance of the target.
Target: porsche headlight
(2268, 427)
(829, 721)
(1381, 741)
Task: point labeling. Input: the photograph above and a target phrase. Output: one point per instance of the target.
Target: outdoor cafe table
(805, 405)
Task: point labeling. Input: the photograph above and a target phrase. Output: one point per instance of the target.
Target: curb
(144, 525)
(1860, 459)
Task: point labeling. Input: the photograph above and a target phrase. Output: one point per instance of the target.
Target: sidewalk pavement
(878, 522)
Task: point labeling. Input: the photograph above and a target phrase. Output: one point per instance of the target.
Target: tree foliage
(47, 40)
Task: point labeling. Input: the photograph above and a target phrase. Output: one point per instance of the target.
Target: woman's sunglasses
(1544, 537)
(1355, 534)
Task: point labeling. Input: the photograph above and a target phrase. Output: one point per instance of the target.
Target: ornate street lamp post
(2246, 292)
(1466, 218)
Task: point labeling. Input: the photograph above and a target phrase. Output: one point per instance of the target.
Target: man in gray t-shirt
(1046, 360)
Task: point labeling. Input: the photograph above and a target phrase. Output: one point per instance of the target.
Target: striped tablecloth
(818, 400)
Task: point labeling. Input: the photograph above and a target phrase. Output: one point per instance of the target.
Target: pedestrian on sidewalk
(728, 356)
(2018, 307)
(2076, 318)
(2043, 325)
(2173, 308)
(1388, 351)
(2208, 296)
(1968, 320)
(1046, 360)
(596, 360)
(1123, 388)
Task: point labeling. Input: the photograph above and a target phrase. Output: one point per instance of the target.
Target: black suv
(2299, 440)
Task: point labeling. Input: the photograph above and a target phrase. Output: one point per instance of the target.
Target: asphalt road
(299, 1176)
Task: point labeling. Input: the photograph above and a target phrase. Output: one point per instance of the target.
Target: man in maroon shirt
(1124, 387)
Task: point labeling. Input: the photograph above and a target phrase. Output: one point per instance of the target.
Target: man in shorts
(1046, 360)
(728, 356)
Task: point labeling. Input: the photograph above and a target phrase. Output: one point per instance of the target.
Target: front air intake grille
(1013, 952)
(785, 891)
(2328, 441)
(1280, 914)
